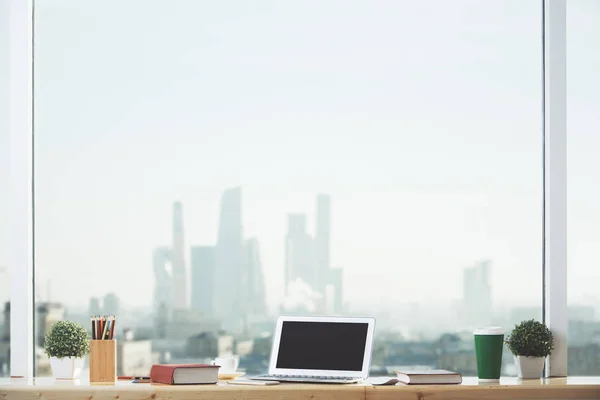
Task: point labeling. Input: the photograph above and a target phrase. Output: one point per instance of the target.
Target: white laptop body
(321, 349)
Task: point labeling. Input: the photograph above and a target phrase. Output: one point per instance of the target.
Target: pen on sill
(130, 378)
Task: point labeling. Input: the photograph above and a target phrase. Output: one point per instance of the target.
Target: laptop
(321, 350)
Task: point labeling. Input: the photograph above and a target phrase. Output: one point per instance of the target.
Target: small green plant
(67, 339)
(530, 339)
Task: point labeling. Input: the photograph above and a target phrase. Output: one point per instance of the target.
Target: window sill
(508, 388)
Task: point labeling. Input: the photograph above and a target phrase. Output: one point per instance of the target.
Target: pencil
(112, 327)
(99, 326)
(105, 328)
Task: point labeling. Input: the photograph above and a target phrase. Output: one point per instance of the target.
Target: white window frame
(20, 191)
(555, 309)
(21, 202)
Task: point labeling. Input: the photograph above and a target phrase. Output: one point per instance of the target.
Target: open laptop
(321, 350)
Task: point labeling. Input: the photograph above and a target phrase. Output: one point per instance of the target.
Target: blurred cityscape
(215, 305)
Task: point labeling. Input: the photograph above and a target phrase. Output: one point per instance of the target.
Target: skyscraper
(335, 278)
(161, 262)
(477, 294)
(310, 259)
(202, 262)
(253, 282)
(322, 241)
(111, 304)
(179, 273)
(300, 260)
(228, 261)
(94, 307)
(47, 315)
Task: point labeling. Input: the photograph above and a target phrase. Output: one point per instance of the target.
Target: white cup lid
(492, 330)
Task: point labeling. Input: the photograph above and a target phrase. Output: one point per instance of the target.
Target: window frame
(21, 189)
(22, 346)
(554, 110)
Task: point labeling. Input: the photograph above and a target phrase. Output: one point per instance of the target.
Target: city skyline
(429, 174)
(226, 279)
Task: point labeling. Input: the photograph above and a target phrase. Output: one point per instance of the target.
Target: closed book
(429, 377)
(184, 374)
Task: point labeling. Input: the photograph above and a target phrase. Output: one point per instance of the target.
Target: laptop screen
(334, 346)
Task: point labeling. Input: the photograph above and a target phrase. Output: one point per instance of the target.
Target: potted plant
(530, 342)
(67, 344)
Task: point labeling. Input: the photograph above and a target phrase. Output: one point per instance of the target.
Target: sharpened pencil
(101, 328)
(113, 320)
(105, 328)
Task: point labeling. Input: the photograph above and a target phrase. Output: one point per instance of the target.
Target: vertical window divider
(22, 346)
(555, 312)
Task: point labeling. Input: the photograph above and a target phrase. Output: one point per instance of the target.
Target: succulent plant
(530, 339)
(67, 339)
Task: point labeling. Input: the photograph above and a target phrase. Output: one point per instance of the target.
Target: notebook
(184, 374)
(321, 350)
(429, 377)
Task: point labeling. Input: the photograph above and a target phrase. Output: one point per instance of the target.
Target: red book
(184, 374)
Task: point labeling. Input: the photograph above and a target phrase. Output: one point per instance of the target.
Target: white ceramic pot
(67, 367)
(529, 367)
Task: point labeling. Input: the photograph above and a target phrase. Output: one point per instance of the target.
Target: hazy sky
(421, 119)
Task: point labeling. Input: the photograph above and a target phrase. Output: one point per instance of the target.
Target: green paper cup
(488, 351)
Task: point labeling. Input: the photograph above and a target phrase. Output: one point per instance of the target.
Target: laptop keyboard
(309, 378)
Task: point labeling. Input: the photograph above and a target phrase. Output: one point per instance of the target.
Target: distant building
(582, 333)
(519, 314)
(582, 313)
(4, 358)
(208, 345)
(161, 322)
(112, 304)
(94, 307)
(309, 259)
(202, 263)
(170, 272)
(322, 243)
(161, 263)
(47, 315)
(584, 360)
(186, 323)
(336, 277)
(300, 260)
(5, 333)
(254, 302)
(477, 295)
(134, 358)
(179, 281)
(5, 341)
(202, 345)
(228, 262)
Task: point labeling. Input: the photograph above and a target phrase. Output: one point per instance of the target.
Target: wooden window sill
(508, 388)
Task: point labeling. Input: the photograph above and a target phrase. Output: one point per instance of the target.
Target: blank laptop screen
(334, 346)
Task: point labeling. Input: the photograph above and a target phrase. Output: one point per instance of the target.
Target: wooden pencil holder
(103, 361)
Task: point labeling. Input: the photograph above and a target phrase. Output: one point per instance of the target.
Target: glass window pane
(583, 122)
(202, 167)
(4, 278)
